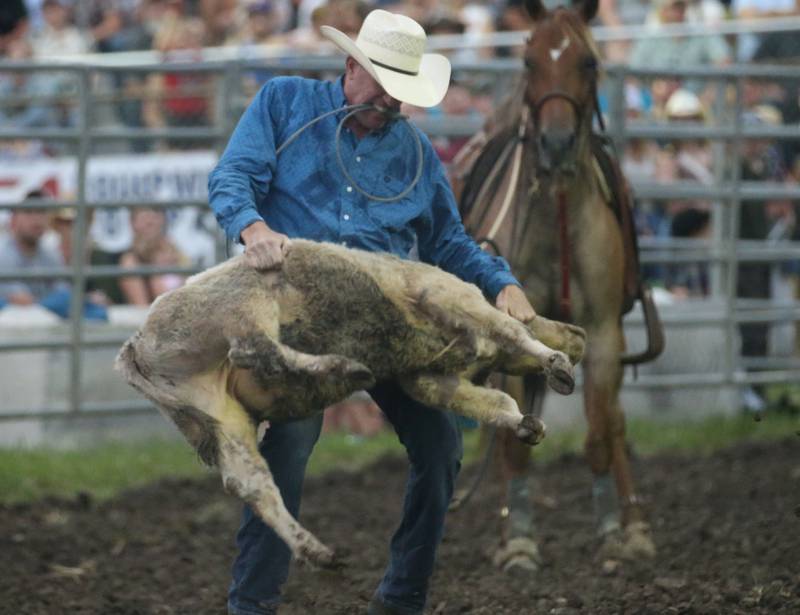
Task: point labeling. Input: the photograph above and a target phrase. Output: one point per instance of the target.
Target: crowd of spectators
(179, 31)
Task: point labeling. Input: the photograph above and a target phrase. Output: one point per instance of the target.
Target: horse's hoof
(638, 542)
(531, 430)
(612, 546)
(560, 374)
(519, 554)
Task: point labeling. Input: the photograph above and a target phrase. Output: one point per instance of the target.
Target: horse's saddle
(480, 169)
(618, 196)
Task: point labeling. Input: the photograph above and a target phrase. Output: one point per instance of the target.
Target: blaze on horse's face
(562, 65)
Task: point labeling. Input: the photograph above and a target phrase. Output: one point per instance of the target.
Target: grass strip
(103, 471)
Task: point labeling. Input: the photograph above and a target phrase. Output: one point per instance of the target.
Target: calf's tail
(138, 374)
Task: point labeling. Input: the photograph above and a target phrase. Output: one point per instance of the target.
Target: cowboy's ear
(586, 8)
(535, 9)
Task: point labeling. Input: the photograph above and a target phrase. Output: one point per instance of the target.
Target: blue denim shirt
(303, 193)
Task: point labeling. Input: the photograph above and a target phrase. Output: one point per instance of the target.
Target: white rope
(512, 184)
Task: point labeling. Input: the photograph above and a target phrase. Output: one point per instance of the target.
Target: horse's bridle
(537, 106)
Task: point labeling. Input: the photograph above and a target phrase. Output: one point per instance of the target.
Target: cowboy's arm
(444, 242)
(242, 177)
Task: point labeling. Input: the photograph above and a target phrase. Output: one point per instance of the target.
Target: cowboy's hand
(264, 247)
(512, 301)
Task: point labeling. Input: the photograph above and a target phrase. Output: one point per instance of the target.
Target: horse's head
(562, 63)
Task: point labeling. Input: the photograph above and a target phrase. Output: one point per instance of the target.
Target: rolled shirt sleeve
(245, 170)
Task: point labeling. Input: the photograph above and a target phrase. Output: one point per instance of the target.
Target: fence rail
(724, 252)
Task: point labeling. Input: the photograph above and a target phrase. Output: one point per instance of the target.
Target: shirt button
(358, 158)
(349, 188)
(346, 216)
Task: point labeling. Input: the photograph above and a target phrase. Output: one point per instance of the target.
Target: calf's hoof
(560, 374)
(530, 430)
(318, 556)
(344, 370)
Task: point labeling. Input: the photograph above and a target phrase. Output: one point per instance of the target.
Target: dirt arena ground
(727, 528)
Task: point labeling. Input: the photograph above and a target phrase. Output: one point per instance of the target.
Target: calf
(236, 346)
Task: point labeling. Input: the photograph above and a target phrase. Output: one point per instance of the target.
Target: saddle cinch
(482, 161)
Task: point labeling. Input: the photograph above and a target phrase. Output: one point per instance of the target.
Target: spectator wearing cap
(693, 157)
(24, 248)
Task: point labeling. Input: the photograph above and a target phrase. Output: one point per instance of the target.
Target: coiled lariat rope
(352, 110)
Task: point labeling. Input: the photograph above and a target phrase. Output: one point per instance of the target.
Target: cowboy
(357, 179)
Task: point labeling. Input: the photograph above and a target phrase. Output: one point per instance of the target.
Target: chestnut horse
(530, 185)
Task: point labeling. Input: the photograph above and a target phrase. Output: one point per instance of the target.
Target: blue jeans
(433, 443)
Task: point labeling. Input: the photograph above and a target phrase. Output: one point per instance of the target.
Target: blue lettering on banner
(149, 186)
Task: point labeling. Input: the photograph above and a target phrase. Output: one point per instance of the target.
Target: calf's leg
(275, 364)
(245, 474)
(485, 405)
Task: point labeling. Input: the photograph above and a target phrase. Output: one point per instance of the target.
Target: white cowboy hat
(391, 49)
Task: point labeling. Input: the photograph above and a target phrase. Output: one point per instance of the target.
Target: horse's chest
(552, 265)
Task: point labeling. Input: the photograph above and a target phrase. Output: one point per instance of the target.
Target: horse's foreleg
(605, 445)
(602, 378)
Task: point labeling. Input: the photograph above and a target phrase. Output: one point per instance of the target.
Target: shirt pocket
(395, 219)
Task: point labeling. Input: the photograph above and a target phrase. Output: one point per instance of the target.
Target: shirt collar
(337, 93)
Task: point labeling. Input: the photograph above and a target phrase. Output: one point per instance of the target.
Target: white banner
(171, 176)
(175, 177)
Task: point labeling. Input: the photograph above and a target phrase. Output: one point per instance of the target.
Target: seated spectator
(262, 24)
(179, 99)
(759, 9)
(98, 291)
(693, 157)
(151, 246)
(23, 248)
(28, 99)
(13, 23)
(678, 51)
(307, 37)
(222, 19)
(58, 37)
(691, 279)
